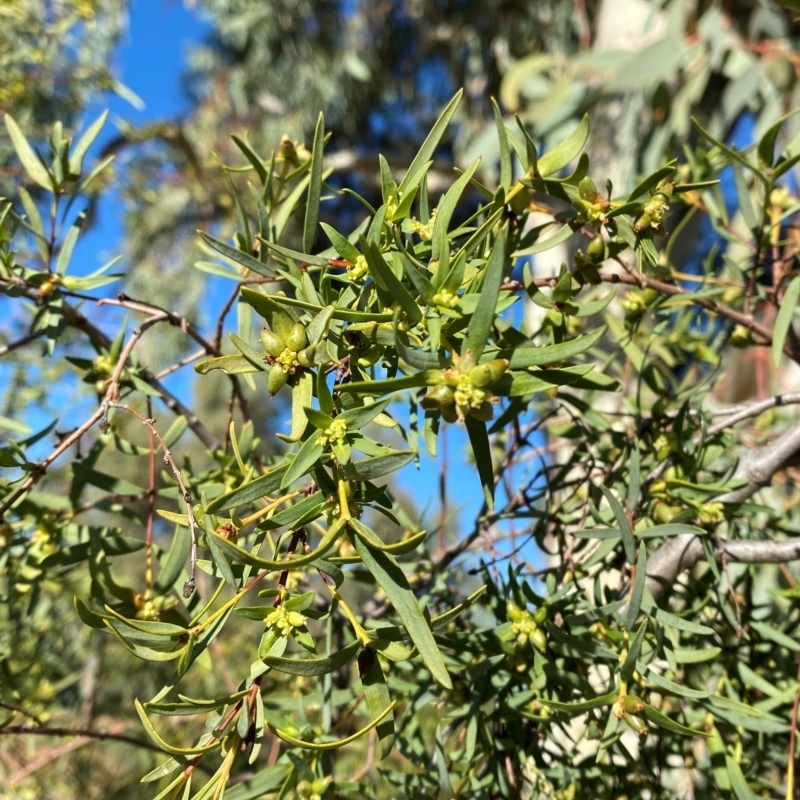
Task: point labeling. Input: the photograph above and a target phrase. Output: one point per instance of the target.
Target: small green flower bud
(486, 374)
(636, 724)
(538, 639)
(632, 704)
(514, 612)
(297, 339)
(282, 324)
(438, 397)
(273, 344)
(587, 190)
(596, 249)
(305, 357)
(540, 615)
(276, 380)
(643, 223)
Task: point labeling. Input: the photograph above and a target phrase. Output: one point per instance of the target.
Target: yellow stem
(344, 506)
(268, 508)
(360, 633)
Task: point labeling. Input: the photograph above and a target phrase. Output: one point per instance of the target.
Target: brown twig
(188, 587)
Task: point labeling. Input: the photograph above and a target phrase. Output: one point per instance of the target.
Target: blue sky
(151, 62)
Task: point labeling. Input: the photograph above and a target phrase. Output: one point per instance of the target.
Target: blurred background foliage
(381, 71)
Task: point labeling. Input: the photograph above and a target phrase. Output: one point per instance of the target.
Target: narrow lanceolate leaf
(628, 666)
(30, 161)
(482, 450)
(302, 392)
(784, 319)
(314, 667)
(70, 240)
(638, 588)
(378, 700)
(287, 737)
(237, 256)
(394, 583)
(766, 631)
(420, 163)
(628, 542)
(663, 721)
(556, 159)
(581, 706)
(240, 556)
(667, 685)
(307, 456)
(261, 487)
(178, 751)
(314, 186)
(480, 323)
(737, 780)
(370, 468)
(79, 149)
(505, 152)
(382, 273)
(447, 208)
(524, 357)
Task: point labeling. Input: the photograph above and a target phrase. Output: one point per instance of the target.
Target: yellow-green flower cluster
(526, 625)
(359, 269)
(446, 299)
(283, 620)
(335, 432)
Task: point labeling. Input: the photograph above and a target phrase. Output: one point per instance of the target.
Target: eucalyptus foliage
(455, 673)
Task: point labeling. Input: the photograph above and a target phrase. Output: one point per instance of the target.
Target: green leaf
(580, 706)
(240, 556)
(542, 245)
(419, 165)
(296, 255)
(308, 455)
(378, 700)
(638, 588)
(663, 721)
(732, 154)
(252, 157)
(383, 274)
(673, 621)
(628, 541)
(669, 686)
(347, 250)
(482, 450)
(524, 357)
(394, 583)
(505, 153)
(173, 563)
(314, 186)
(30, 161)
(558, 158)
(766, 631)
(287, 737)
(302, 392)
(784, 319)
(314, 667)
(370, 468)
(447, 208)
(766, 146)
(738, 782)
(252, 355)
(247, 493)
(70, 240)
(627, 669)
(237, 256)
(743, 193)
(80, 148)
(481, 322)
(179, 751)
(266, 781)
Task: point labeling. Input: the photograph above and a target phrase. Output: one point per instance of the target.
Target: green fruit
(540, 615)
(276, 380)
(596, 249)
(282, 324)
(438, 397)
(632, 704)
(273, 344)
(297, 340)
(305, 357)
(636, 724)
(513, 611)
(487, 374)
(538, 639)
